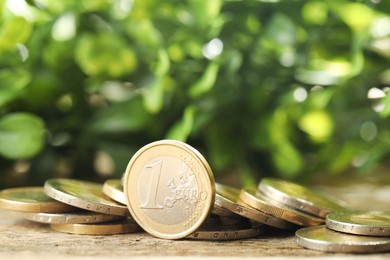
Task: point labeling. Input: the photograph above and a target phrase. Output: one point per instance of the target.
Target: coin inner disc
(167, 185)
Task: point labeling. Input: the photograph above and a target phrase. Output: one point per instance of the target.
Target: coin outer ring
(296, 203)
(86, 217)
(249, 212)
(112, 209)
(204, 178)
(52, 206)
(111, 228)
(110, 188)
(285, 213)
(354, 228)
(339, 247)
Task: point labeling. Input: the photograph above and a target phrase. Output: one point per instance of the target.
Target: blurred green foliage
(285, 88)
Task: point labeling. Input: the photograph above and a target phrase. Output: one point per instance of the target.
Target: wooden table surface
(22, 239)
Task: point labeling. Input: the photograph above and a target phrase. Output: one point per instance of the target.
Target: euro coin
(227, 197)
(80, 217)
(324, 239)
(218, 210)
(83, 194)
(110, 228)
(31, 199)
(169, 189)
(369, 223)
(113, 189)
(258, 201)
(298, 197)
(226, 229)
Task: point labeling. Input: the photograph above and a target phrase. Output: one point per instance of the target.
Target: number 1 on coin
(151, 202)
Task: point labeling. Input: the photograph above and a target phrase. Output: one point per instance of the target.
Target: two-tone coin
(325, 239)
(31, 199)
(113, 188)
(298, 197)
(258, 201)
(79, 217)
(109, 228)
(85, 195)
(228, 197)
(369, 223)
(169, 189)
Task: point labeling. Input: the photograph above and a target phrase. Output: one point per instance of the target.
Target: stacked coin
(69, 206)
(346, 230)
(168, 190)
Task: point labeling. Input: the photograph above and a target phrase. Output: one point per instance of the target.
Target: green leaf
(321, 98)
(145, 32)
(15, 30)
(206, 11)
(12, 81)
(358, 45)
(153, 96)
(318, 124)
(44, 87)
(223, 150)
(356, 15)
(343, 156)
(129, 116)
(163, 63)
(22, 135)
(32, 3)
(154, 87)
(206, 82)
(182, 129)
(104, 54)
(1, 9)
(386, 102)
(315, 12)
(281, 31)
(287, 160)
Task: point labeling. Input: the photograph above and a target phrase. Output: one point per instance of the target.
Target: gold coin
(227, 197)
(298, 197)
(369, 223)
(111, 228)
(223, 229)
(258, 201)
(85, 195)
(169, 189)
(324, 239)
(113, 188)
(80, 217)
(31, 199)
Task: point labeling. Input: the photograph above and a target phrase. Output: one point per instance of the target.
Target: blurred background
(292, 89)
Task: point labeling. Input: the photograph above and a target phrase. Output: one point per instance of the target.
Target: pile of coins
(168, 190)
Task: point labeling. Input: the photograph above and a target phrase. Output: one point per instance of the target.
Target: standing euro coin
(169, 189)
